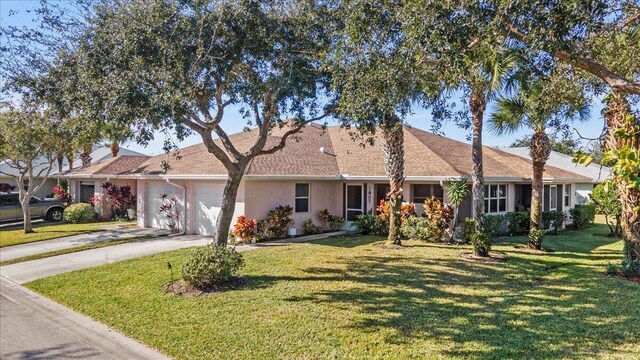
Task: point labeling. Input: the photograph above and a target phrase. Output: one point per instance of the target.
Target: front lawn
(49, 231)
(345, 297)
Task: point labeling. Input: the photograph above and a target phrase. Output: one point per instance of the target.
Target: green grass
(345, 298)
(91, 246)
(17, 236)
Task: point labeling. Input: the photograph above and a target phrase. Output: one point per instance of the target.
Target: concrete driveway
(39, 247)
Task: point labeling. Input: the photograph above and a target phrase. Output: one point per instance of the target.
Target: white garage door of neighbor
(156, 218)
(208, 202)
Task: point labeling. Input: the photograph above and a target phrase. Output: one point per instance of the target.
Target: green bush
(518, 222)
(370, 224)
(468, 229)
(310, 228)
(79, 213)
(583, 215)
(212, 265)
(336, 222)
(417, 228)
(278, 221)
(494, 225)
(535, 238)
(552, 220)
(481, 244)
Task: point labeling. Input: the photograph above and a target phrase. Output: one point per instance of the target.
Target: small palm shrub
(310, 228)
(370, 224)
(79, 213)
(535, 238)
(212, 265)
(481, 244)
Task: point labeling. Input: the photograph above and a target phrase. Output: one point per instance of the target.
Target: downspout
(184, 194)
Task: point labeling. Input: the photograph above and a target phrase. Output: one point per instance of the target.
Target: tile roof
(426, 154)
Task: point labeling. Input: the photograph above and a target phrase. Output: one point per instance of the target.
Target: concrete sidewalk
(39, 247)
(34, 327)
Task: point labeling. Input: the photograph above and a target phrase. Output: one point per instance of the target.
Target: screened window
(421, 192)
(495, 198)
(567, 195)
(553, 199)
(302, 198)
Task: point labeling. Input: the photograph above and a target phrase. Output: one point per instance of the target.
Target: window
(10, 200)
(354, 201)
(553, 197)
(421, 192)
(495, 198)
(567, 195)
(302, 198)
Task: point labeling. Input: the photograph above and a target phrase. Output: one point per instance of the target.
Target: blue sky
(233, 122)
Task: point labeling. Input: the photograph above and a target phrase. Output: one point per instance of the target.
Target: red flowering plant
(439, 217)
(169, 208)
(245, 229)
(62, 194)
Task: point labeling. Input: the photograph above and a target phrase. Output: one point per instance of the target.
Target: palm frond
(510, 115)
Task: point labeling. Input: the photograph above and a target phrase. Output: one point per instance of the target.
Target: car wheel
(54, 215)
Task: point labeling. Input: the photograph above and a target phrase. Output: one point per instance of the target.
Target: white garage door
(208, 201)
(156, 218)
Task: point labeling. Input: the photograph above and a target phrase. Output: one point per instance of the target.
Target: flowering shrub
(438, 216)
(407, 210)
(278, 221)
(245, 229)
(4, 187)
(370, 224)
(62, 194)
(310, 228)
(170, 210)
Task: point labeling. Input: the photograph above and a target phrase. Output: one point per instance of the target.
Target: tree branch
(212, 147)
(283, 139)
(617, 82)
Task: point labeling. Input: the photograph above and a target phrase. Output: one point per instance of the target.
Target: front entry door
(354, 202)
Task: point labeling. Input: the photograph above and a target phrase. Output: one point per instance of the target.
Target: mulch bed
(534, 251)
(633, 278)
(182, 288)
(492, 258)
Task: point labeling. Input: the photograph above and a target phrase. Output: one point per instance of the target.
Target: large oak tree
(166, 64)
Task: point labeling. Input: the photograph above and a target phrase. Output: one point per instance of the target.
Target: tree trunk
(26, 216)
(539, 151)
(477, 104)
(70, 161)
(393, 150)
(619, 120)
(60, 161)
(115, 148)
(228, 206)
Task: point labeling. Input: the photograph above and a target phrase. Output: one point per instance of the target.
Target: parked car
(11, 210)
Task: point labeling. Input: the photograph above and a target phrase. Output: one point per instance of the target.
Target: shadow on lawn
(528, 307)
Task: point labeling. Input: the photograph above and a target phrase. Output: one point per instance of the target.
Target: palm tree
(533, 108)
(116, 135)
(495, 70)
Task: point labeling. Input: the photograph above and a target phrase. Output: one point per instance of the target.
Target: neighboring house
(343, 177)
(98, 154)
(595, 173)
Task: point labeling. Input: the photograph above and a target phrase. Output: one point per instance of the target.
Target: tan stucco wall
(262, 196)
